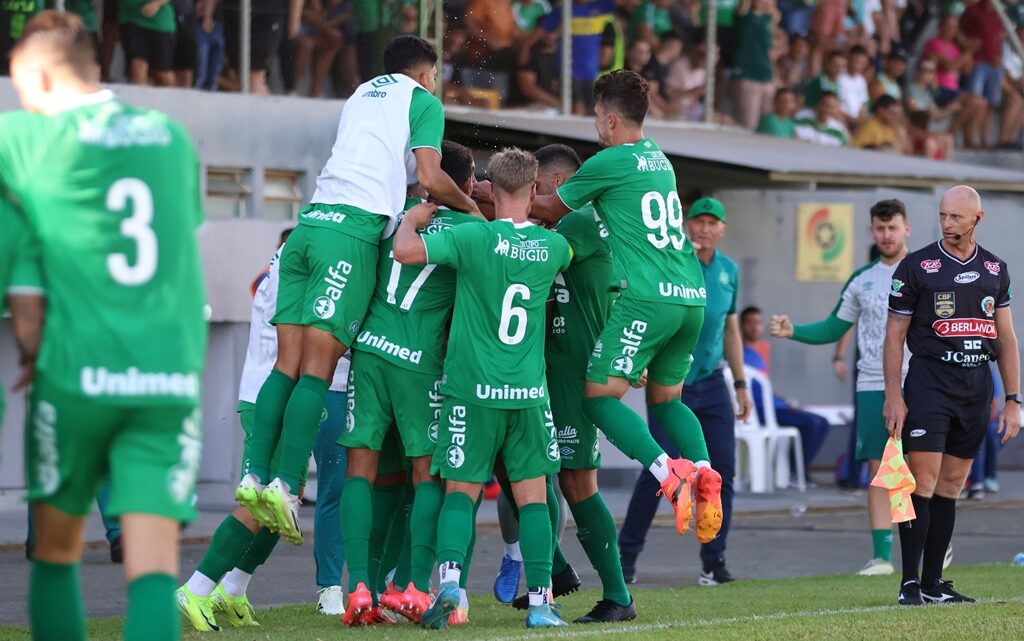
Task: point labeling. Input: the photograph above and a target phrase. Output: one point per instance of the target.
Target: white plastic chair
(778, 435)
(757, 442)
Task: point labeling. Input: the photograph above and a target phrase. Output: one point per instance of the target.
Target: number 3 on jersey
(665, 217)
(133, 193)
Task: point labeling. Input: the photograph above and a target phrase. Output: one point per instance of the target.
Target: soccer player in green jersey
(582, 304)
(112, 193)
(657, 318)
(389, 136)
(496, 400)
(396, 379)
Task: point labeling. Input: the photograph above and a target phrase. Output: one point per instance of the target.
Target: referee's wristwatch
(1017, 398)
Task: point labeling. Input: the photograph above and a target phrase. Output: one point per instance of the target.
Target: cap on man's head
(708, 206)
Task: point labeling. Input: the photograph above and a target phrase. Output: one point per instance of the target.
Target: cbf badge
(945, 304)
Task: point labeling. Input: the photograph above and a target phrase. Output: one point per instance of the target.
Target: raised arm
(1009, 372)
(829, 330)
(439, 184)
(894, 410)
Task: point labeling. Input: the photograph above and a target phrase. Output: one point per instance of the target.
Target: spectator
(186, 47)
(147, 35)
(950, 59)
(272, 21)
(639, 59)
(650, 21)
(794, 65)
(853, 86)
(613, 42)
(210, 49)
(529, 12)
(589, 20)
(813, 428)
(827, 26)
(752, 86)
(539, 80)
(888, 82)
(669, 50)
(13, 17)
(868, 19)
(453, 60)
(920, 96)
(923, 141)
(1013, 97)
(796, 17)
(823, 125)
(493, 34)
(319, 39)
(884, 129)
(779, 121)
(685, 84)
(86, 10)
(827, 82)
(372, 18)
(725, 21)
(981, 26)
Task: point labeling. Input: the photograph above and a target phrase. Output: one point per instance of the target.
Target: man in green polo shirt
(705, 393)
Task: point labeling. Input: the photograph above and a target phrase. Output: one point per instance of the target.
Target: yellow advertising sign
(824, 242)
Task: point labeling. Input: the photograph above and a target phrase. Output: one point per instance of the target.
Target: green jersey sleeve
(19, 251)
(448, 247)
(580, 229)
(426, 120)
(593, 179)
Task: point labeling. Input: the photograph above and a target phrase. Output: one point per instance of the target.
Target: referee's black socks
(940, 533)
(913, 535)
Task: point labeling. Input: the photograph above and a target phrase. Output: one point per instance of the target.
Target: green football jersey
(633, 188)
(582, 296)
(112, 193)
(411, 305)
(504, 275)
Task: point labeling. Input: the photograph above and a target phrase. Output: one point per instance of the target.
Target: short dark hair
(748, 311)
(835, 53)
(884, 210)
(784, 90)
(558, 154)
(827, 94)
(625, 93)
(456, 161)
(883, 102)
(405, 52)
(670, 36)
(920, 119)
(859, 49)
(63, 36)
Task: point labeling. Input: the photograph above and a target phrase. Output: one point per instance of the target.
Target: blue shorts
(986, 80)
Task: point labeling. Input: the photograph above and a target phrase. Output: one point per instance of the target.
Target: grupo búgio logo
(825, 235)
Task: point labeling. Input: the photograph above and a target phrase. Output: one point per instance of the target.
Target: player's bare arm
(548, 209)
(1009, 372)
(734, 357)
(894, 410)
(409, 248)
(439, 184)
(27, 317)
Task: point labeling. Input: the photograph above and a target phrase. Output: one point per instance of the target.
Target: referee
(950, 302)
(704, 392)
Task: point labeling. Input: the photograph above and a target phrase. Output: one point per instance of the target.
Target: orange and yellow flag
(894, 475)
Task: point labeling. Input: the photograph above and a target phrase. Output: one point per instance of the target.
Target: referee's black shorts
(948, 407)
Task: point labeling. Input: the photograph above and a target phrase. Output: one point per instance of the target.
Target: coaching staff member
(950, 301)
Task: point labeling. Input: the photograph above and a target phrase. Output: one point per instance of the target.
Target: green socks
(682, 427)
(595, 528)
(426, 508)
(152, 612)
(259, 551)
(464, 577)
(558, 560)
(267, 420)
(230, 541)
(881, 541)
(56, 585)
(455, 528)
(624, 428)
(535, 542)
(301, 423)
(356, 508)
(403, 564)
(384, 528)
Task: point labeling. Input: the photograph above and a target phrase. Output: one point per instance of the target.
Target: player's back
(496, 347)
(633, 188)
(113, 194)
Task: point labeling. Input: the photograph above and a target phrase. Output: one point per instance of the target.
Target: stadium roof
(727, 153)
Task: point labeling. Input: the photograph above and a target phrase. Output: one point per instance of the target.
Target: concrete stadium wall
(259, 133)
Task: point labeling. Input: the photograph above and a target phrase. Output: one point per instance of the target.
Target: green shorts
(870, 425)
(327, 276)
(471, 437)
(74, 443)
(381, 394)
(247, 416)
(640, 335)
(392, 455)
(578, 440)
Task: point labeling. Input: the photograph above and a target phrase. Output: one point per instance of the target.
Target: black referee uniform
(948, 389)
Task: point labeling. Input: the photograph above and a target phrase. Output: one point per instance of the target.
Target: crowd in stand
(911, 76)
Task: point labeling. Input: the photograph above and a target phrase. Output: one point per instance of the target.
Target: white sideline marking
(594, 631)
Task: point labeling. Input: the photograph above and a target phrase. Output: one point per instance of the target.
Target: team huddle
(464, 320)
